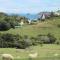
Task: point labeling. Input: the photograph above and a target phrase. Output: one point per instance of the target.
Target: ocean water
(30, 16)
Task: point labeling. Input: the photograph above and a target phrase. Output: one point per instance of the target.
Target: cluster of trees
(10, 21)
(8, 40)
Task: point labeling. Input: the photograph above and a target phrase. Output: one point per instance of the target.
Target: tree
(52, 14)
(51, 38)
(4, 26)
(12, 24)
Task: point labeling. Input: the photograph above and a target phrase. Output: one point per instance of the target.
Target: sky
(28, 6)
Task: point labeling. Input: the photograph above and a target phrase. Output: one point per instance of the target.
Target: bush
(58, 25)
(11, 41)
(24, 43)
(12, 25)
(57, 42)
(34, 40)
(46, 39)
(17, 41)
(51, 38)
(8, 40)
(4, 26)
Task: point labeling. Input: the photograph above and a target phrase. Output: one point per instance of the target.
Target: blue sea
(30, 16)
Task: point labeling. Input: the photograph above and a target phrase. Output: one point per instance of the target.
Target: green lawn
(46, 52)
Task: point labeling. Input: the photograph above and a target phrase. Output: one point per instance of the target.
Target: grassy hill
(48, 26)
(47, 51)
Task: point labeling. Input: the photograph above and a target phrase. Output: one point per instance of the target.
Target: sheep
(56, 54)
(33, 55)
(7, 57)
(22, 23)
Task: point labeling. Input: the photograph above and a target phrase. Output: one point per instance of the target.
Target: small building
(43, 17)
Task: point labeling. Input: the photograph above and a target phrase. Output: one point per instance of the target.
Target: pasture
(46, 52)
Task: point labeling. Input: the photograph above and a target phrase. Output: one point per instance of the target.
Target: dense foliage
(10, 21)
(16, 41)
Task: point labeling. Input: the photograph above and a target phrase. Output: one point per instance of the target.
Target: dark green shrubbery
(51, 37)
(4, 26)
(12, 24)
(10, 40)
(58, 25)
(46, 39)
(24, 42)
(16, 41)
(43, 39)
(33, 39)
(10, 21)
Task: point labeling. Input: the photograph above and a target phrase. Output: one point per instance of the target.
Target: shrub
(24, 43)
(34, 40)
(4, 26)
(12, 24)
(51, 38)
(8, 40)
(57, 42)
(58, 25)
(47, 39)
(11, 40)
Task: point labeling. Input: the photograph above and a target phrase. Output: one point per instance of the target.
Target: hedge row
(16, 41)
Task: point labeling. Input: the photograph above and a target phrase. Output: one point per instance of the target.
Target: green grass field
(46, 52)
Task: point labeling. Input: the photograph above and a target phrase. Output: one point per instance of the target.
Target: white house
(43, 16)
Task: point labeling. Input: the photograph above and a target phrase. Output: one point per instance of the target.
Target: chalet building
(44, 15)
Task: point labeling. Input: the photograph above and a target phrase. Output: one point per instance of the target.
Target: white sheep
(56, 54)
(22, 23)
(33, 55)
(7, 57)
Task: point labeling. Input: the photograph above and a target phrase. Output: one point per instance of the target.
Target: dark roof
(47, 14)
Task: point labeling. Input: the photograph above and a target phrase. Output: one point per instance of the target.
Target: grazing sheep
(56, 54)
(22, 23)
(7, 57)
(33, 55)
